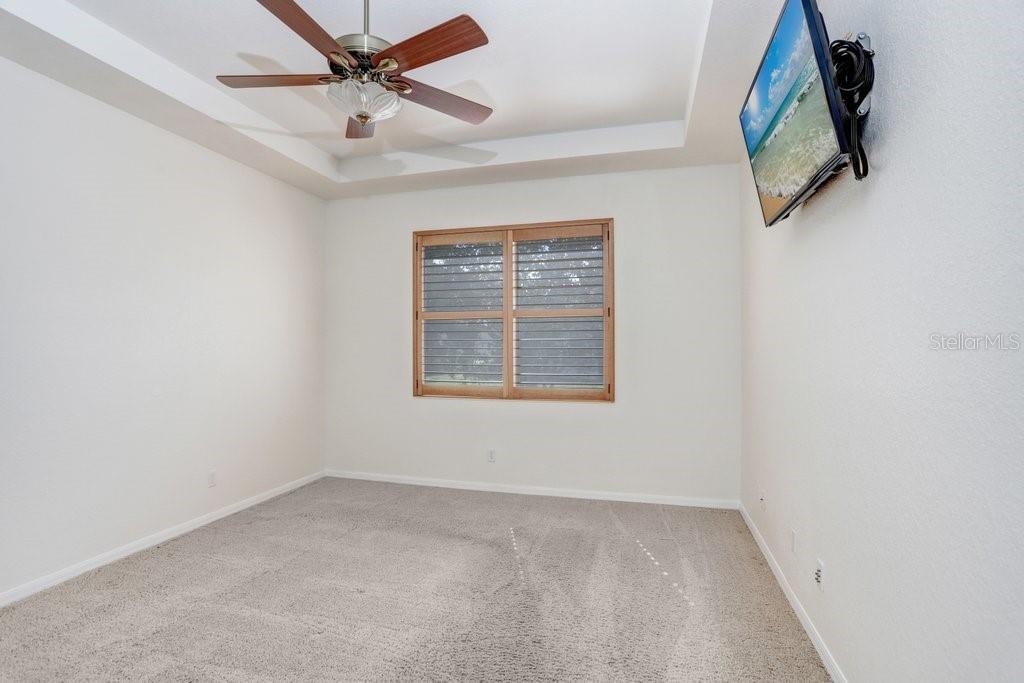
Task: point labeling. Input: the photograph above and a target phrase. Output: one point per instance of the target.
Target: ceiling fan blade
(275, 81)
(295, 18)
(444, 40)
(445, 102)
(359, 130)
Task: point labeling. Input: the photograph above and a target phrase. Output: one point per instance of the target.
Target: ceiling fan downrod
(363, 45)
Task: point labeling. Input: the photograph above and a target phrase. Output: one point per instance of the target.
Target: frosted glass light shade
(365, 102)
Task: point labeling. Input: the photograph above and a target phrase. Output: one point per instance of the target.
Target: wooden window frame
(509, 234)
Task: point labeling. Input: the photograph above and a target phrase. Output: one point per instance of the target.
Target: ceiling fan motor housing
(362, 46)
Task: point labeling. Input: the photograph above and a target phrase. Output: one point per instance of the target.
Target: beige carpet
(352, 580)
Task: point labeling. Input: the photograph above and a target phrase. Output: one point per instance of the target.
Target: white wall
(160, 315)
(900, 466)
(674, 427)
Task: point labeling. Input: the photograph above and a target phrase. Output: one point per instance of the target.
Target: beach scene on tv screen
(786, 121)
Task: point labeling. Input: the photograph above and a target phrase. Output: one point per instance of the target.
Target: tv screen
(791, 117)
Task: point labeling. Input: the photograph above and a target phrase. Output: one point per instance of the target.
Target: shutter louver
(560, 352)
(463, 352)
(462, 277)
(560, 273)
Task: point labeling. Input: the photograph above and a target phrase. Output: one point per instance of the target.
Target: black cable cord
(855, 75)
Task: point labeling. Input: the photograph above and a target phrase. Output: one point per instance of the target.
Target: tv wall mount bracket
(864, 40)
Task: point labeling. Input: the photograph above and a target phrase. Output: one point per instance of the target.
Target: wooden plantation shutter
(515, 312)
(559, 315)
(460, 314)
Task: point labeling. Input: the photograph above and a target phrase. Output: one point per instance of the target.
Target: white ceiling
(577, 86)
(549, 66)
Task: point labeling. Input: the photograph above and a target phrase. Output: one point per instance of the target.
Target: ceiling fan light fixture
(364, 102)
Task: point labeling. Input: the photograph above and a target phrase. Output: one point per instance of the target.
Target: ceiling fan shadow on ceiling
(367, 74)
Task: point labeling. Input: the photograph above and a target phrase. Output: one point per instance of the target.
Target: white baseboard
(62, 575)
(805, 620)
(722, 503)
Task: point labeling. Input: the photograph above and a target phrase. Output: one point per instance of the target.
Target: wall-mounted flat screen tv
(791, 119)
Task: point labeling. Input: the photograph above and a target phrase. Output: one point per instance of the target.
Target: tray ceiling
(576, 86)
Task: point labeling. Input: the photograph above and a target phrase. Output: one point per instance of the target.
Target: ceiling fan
(367, 73)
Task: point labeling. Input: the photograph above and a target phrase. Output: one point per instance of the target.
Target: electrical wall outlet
(819, 575)
(211, 478)
(490, 455)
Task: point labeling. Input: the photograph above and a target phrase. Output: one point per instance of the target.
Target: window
(520, 311)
